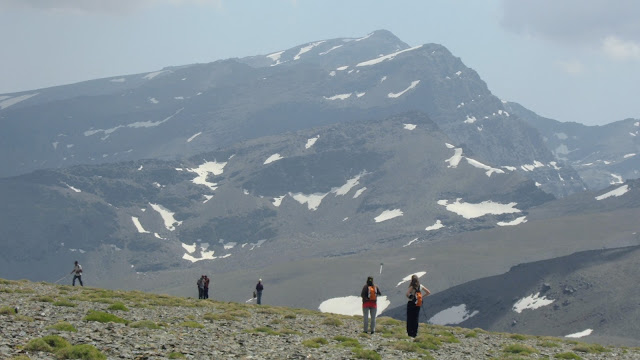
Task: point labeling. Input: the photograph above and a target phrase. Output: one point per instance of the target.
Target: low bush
(118, 306)
(63, 326)
(104, 317)
(315, 342)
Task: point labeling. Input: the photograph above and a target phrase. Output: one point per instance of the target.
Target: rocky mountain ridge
(68, 322)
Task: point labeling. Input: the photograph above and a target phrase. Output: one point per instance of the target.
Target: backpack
(371, 294)
(418, 298)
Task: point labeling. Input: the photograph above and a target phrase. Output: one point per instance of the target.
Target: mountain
(602, 155)
(183, 111)
(67, 322)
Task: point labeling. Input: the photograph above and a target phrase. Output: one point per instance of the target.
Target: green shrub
(347, 341)
(104, 317)
(517, 337)
(56, 342)
(407, 346)
(25, 318)
(286, 331)
(519, 349)
(144, 324)
(568, 355)
(191, 324)
(38, 345)
(428, 341)
(290, 316)
(315, 342)
(218, 317)
(332, 321)
(590, 348)
(43, 298)
(471, 334)
(176, 355)
(366, 354)
(118, 306)
(63, 326)
(7, 310)
(83, 351)
(66, 303)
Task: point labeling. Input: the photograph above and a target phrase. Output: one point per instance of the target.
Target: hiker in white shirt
(77, 274)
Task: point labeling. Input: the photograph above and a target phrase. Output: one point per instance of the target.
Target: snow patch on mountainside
(436, 226)
(138, 226)
(306, 49)
(396, 95)
(338, 97)
(311, 142)
(194, 136)
(455, 159)
(388, 215)
(350, 305)
(312, 200)
(203, 171)
(615, 192)
(452, 316)
(580, 334)
(470, 210)
(138, 124)
(409, 126)
(387, 57)
(118, 80)
(532, 302)
(152, 75)
(167, 216)
(14, 100)
(272, 158)
(518, 221)
(479, 165)
(407, 278)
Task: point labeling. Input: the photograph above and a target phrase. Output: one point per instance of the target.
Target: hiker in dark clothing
(77, 274)
(259, 288)
(200, 284)
(206, 287)
(369, 295)
(415, 296)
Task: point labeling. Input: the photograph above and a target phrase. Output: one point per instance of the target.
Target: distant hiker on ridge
(206, 287)
(77, 271)
(414, 294)
(369, 295)
(200, 284)
(259, 288)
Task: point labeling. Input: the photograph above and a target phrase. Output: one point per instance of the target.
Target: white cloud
(619, 49)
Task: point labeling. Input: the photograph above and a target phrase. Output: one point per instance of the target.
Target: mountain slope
(183, 111)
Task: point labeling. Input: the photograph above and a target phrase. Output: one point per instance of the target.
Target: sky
(569, 60)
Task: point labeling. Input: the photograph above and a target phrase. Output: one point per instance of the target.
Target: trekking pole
(62, 278)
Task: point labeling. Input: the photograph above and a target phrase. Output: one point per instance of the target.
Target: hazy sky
(570, 60)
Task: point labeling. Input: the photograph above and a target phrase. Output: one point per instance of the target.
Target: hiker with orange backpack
(369, 296)
(415, 296)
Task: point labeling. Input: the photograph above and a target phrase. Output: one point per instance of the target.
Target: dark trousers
(259, 293)
(79, 277)
(200, 293)
(413, 312)
(206, 293)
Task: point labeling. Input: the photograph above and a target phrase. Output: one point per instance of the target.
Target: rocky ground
(63, 322)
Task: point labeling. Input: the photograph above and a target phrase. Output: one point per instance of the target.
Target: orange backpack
(372, 293)
(418, 300)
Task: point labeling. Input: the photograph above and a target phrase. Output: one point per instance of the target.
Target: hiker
(206, 287)
(369, 295)
(77, 271)
(415, 296)
(200, 284)
(259, 288)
